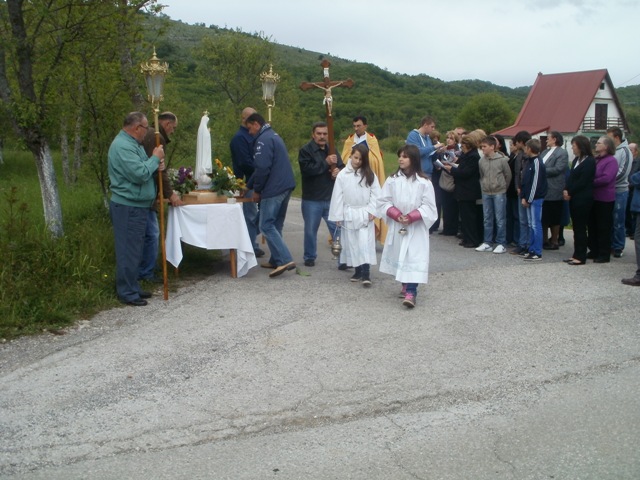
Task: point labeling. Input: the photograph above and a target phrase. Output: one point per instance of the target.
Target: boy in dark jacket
(534, 189)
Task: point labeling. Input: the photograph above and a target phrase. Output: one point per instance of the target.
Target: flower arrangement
(182, 180)
(224, 181)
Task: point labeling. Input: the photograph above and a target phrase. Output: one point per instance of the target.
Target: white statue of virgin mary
(203, 155)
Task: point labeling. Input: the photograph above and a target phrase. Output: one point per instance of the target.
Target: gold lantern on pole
(154, 72)
(269, 82)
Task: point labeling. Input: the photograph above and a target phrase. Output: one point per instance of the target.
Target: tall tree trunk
(64, 151)
(1, 151)
(77, 148)
(127, 71)
(48, 188)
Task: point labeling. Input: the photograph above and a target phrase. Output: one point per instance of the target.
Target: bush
(47, 283)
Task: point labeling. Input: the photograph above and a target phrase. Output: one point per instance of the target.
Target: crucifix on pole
(327, 85)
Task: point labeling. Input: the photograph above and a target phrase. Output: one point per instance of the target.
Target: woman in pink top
(604, 196)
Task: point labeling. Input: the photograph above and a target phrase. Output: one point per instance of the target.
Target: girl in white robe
(353, 207)
(408, 201)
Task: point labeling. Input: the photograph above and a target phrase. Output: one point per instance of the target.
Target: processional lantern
(269, 82)
(154, 72)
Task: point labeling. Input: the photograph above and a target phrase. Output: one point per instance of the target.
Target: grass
(47, 284)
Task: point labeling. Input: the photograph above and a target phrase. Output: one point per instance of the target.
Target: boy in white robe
(408, 200)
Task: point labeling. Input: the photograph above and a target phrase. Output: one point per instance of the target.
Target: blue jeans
(534, 221)
(150, 249)
(494, 208)
(411, 288)
(312, 212)
(523, 241)
(251, 218)
(273, 211)
(129, 227)
(619, 233)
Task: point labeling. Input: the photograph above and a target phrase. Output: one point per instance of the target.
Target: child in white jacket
(353, 208)
(408, 199)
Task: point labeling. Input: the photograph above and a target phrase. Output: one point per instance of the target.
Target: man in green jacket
(132, 195)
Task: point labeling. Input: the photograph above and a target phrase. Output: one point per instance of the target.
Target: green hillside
(393, 103)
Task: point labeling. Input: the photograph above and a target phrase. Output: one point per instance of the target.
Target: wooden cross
(327, 85)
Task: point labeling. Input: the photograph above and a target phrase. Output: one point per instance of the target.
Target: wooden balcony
(593, 124)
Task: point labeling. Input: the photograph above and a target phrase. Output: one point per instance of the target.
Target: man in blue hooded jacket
(272, 183)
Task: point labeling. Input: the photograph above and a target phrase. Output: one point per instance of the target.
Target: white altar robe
(407, 256)
(351, 204)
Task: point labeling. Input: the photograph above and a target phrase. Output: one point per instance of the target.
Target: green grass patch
(46, 283)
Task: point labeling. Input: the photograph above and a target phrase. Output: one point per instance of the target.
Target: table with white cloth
(214, 226)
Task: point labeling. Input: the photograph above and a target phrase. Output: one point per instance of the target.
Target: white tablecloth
(213, 226)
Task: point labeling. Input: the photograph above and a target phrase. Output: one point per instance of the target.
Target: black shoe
(258, 252)
(343, 266)
(601, 260)
(561, 242)
(366, 281)
(144, 294)
(591, 255)
(617, 253)
(138, 302)
(356, 277)
(309, 263)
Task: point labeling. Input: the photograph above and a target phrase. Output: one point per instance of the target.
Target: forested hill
(393, 103)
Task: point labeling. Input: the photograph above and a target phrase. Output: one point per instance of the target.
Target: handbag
(446, 182)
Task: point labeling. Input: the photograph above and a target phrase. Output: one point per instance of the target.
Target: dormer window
(602, 86)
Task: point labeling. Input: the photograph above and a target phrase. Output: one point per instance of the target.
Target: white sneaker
(499, 249)
(485, 247)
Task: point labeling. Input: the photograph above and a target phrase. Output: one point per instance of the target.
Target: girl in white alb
(409, 202)
(353, 208)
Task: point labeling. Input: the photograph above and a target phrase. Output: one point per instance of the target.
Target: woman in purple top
(604, 196)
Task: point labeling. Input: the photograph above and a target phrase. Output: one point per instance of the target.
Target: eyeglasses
(146, 127)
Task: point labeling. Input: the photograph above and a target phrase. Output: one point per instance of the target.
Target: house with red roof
(575, 103)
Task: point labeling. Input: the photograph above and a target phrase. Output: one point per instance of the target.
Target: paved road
(504, 370)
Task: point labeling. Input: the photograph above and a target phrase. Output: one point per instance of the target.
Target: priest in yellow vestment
(361, 135)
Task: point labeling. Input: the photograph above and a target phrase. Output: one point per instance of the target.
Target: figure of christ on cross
(327, 85)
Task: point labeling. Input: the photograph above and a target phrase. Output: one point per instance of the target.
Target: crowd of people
(530, 194)
(494, 200)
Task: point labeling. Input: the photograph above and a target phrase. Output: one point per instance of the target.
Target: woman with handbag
(448, 200)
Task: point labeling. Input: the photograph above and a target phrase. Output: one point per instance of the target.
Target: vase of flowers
(224, 181)
(182, 180)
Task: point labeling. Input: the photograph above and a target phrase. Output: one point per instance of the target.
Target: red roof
(558, 102)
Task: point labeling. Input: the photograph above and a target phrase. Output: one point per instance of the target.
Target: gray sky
(506, 42)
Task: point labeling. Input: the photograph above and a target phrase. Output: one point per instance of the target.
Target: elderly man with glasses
(133, 193)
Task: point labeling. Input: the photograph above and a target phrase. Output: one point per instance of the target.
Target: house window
(601, 116)
(602, 86)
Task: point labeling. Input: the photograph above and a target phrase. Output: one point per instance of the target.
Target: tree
(39, 42)
(233, 61)
(488, 111)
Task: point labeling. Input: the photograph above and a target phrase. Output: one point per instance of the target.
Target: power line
(623, 83)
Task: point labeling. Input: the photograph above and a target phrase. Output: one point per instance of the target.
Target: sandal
(575, 262)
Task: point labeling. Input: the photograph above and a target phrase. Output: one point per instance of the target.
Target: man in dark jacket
(241, 147)
(167, 123)
(272, 183)
(318, 169)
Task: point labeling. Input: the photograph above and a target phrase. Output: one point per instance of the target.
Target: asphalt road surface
(504, 370)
